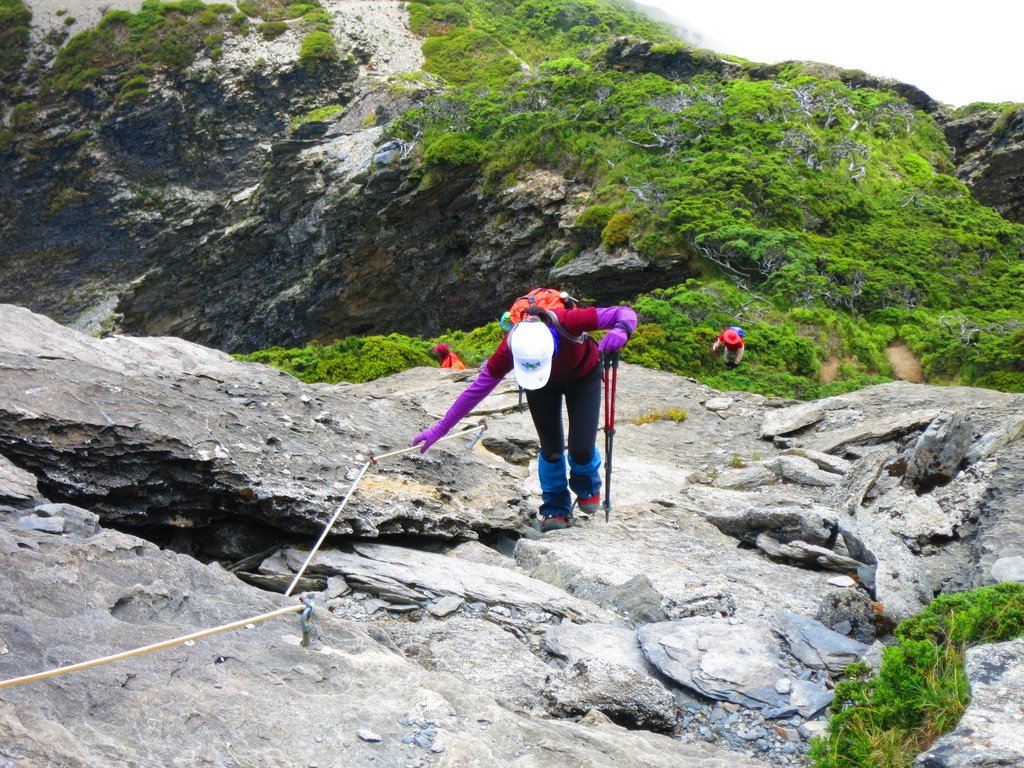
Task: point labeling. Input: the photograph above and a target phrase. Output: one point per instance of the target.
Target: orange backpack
(540, 301)
(541, 298)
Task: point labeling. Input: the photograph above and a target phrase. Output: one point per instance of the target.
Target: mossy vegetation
(676, 415)
(354, 360)
(14, 36)
(921, 690)
(168, 36)
(317, 48)
(163, 35)
(829, 210)
(326, 112)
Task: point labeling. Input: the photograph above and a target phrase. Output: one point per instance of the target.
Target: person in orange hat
(448, 358)
(732, 340)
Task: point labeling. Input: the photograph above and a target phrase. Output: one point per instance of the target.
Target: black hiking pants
(583, 405)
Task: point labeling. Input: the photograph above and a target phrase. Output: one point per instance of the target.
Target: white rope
(148, 648)
(243, 622)
(362, 471)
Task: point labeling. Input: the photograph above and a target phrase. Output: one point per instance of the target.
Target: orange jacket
(451, 360)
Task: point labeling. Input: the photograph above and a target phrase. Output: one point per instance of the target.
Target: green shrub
(317, 48)
(354, 359)
(921, 690)
(168, 35)
(453, 151)
(326, 112)
(592, 221)
(15, 18)
(466, 55)
(271, 29)
(436, 20)
(616, 231)
(23, 113)
(319, 20)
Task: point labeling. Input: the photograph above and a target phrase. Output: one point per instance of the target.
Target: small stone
(719, 404)
(445, 606)
(783, 685)
(842, 581)
(368, 735)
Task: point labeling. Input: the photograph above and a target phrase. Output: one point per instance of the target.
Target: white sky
(957, 53)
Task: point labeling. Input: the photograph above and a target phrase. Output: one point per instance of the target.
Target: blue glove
(429, 436)
(612, 341)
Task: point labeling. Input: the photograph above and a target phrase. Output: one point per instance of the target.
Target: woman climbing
(555, 361)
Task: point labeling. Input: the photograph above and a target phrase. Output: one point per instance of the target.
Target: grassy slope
(825, 218)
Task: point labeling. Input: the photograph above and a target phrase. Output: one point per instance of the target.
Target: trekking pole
(611, 375)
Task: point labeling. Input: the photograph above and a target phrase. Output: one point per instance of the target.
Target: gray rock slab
(785, 421)
(692, 567)
(475, 552)
(380, 567)
(446, 606)
(65, 599)
(898, 579)
(918, 518)
(810, 699)
(194, 433)
(939, 452)
(994, 441)
(607, 642)
(825, 461)
(478, 652)
(718, 403)
(849, 493)
(39, 523)
(817, 646)
(871, 431)
(990, 732)
(784, 523)
(745, 478)
(1008, 569)
(803, 471)
(76, 519)
(17, 487)
(724, 659)
(628, 697)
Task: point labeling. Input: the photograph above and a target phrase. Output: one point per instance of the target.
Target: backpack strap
(552, 318)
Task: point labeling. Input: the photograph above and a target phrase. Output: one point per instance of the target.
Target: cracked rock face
(160, 432)
(723, 615)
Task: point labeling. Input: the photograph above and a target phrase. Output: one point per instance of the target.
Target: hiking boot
(554, 523)
(589, 506)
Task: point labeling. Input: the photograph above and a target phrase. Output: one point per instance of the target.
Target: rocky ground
(151, 488)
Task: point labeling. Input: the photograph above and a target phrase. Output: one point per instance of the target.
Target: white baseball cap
(532, 348)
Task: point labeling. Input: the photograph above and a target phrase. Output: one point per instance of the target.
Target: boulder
(989, 733)
(724, 659)
(817, 646)
(939, 452)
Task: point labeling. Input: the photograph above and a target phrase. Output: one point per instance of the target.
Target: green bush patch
(921, 690)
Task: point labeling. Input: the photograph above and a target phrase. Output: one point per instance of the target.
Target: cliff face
(989, 146)
(220, 207)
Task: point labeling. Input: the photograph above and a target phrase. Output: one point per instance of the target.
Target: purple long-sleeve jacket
(572, 362)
